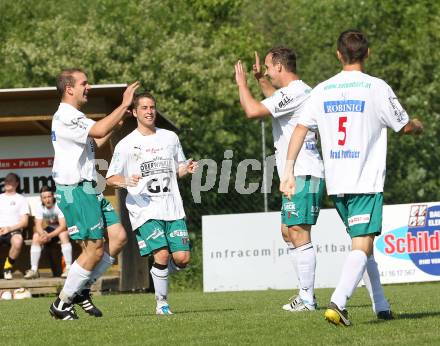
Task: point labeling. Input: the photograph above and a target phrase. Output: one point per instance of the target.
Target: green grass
(227, 318)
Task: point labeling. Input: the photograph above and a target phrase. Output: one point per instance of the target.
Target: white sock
(305, 259)
(66, 249)
(291, 254)
(172, 267)
(372, 283)
(105, 262)
(352, 272)
(35, 256)
(76, 279)
(160, 280)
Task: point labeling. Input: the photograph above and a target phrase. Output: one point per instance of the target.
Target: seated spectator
(50, 227)
(14, 216)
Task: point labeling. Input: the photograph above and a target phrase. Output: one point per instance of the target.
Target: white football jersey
(74, 150)
(49, 215)
(12, 208)
(155, 158)
(352, 111)
(286, 105)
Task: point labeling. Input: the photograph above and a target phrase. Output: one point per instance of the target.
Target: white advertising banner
(247, 252)
(31, 158)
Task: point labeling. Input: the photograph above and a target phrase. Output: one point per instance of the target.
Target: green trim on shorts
(361, 213)
(157, 234)
(87, 212)
(304, 206)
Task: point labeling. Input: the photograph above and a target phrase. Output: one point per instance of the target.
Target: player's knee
(181, 259)
(17, 241)
(161, 256)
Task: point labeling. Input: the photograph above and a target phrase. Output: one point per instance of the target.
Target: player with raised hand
(286, 95)
(89, 216)
(352, 111)
(147, 162)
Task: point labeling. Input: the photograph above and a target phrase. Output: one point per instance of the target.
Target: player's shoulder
(377, 82)
(166, 133)
(128, 139)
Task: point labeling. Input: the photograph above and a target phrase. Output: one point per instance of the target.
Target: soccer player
(14, 216)
(50, 226)
(88, 214)
(147, 163)
(352, 111)
(300, 212)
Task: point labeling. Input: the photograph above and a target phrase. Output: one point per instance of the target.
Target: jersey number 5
(343, 129)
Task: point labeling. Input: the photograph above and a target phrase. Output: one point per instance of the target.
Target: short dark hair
(353, 46)
(142, 95)
(285, 56)
(12, 174)
(46, 188)
(65, 79)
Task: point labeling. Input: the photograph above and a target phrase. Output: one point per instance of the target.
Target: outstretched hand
(127, 98)
(240, 74)
(256, 68)
(132, 181)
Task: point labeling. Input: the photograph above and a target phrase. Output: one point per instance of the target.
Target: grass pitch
(227, 318)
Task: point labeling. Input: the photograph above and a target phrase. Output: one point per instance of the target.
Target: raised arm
(251, 107)
(287, 184)
(265, 85)
(104, 126)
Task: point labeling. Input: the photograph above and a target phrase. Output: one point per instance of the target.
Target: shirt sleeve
(76, 129)
(179, 156)
(282, 102)
(24, 207)
(308, 114)
(117, 165)
(391, 113)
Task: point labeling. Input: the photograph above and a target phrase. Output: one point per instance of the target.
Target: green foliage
(184, 52)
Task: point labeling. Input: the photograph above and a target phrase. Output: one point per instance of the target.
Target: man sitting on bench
(50, 227)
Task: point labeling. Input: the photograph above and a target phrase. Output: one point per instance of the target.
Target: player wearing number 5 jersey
(147, 163)
(352, 111)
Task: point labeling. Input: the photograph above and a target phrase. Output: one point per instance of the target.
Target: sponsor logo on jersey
(418, 242)
(344, 154)
(73, 230)
(398, 111)
(348, 85)
(156, 166)
(290, 208)
(344, 106)
(141, 244)
(156, 234)
(358, 219)
(310, 145)
(179, 233)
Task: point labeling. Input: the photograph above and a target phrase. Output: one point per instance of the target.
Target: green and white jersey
(286, 105)
(352, 111)
(74, 149)
(155, 158)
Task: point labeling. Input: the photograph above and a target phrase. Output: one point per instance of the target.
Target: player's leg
(82, 211)
(36, 247)
(305, 260)
(151, 239)
(179, 245)
(117, 238)
(16, 241)
(371, 277)
(66, 250)
(363, 216)
(159, 273)
(299, 214)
